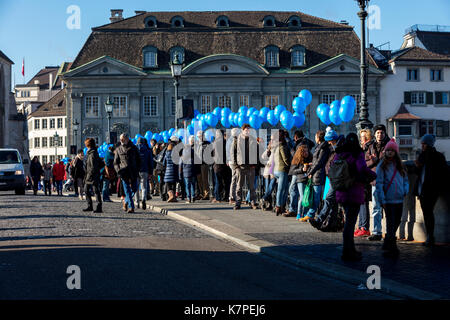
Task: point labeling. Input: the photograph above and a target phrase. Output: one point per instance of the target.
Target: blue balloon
(287, 120)
(322, 110)
(263, 113)
(299, 104)
(134, 140)
(306, 95)
(203, 125)
(235, 119)
(190, 129)
(196, 112)
(171, 131)
(217, 112)
(225, 122)
(250, 111)
(255, 121)
(211, 119)
(165, 139)
(347, 108)
(198, 116)
(243, 109)
(225, 112)
(334, 112)
(278, 110)
(271, 118)
(299, 119)
(242, 119)
(209, 135)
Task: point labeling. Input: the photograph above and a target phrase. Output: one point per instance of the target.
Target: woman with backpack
(352, 196)
(391, 187)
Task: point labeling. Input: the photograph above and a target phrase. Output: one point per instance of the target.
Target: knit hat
(174, 139)
(381, 127)
(392, 145)
(330, 134)
(429, 139)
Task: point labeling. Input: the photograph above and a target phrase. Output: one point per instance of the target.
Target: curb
(309, 263)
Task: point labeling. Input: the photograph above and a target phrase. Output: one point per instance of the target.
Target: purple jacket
(355, 194)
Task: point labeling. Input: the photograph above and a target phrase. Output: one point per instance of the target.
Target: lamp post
(175, 67)
(75, 131)
(109, 109)
(55, 141)
(364, 122)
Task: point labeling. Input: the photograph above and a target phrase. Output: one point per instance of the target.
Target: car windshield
(7, 156)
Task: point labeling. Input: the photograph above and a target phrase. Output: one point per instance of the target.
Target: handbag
(308, 194)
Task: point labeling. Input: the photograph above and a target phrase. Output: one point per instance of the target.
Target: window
(294, 22)
(150, 22)
(91, 106)
(44, 123)
(52, 123)
(205, 104)
(441, 97)
(150, 57)
(426, 127)
(60, 141)
(52, 142)
(442, 128)
(297, 56)
(404, 128)
(44, 159)
(60, 123)
(222, 22)
(224, 101)
(177, 51)
(412, 75)
(404, 156)
(269, 21)
(37, 143)
(272, 53)
(52, 159)
(357, 98)
(36, 124)
(435, 75)
(328, 98)
(120, 106)
(244, 100)
(177, 22)
(271, 101)
(418, 97)
(44, 142)
(150, 106)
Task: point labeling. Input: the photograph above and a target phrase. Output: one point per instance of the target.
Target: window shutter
(438, 97)
(407, 97)
(429, 98)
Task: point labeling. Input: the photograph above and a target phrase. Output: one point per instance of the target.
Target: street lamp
(55, 141)
(364, 122)
(75, 131)
(176, 67)
(109, 109)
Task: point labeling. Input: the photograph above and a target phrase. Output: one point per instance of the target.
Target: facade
(48, 120)
(229, 59)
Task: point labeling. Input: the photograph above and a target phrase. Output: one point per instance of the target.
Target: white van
(12, 173)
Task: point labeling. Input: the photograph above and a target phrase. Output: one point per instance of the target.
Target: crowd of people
(291, 177)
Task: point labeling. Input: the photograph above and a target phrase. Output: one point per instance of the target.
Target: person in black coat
(92, 177)
(36, 172)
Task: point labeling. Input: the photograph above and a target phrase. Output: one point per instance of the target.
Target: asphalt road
(137, 256)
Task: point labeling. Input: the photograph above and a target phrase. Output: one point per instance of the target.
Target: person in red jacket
(59, 172)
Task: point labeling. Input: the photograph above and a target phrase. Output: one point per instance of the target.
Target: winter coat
(36, 169)
(188, 168)
(301, 142)
(93, 167)
(159, 158)
(220, 155)
(59, 171)
(244, 151)
(435, 174)
(375, 152)
(269, 157)
(171, 173)
(358, 169)
(146, 158)
(297, 170)
(127, 161)
(78, 169)
(48, 174)
(317, 168)
(282, 158)
(398, 189)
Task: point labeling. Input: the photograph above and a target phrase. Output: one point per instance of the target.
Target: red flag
(23, 67)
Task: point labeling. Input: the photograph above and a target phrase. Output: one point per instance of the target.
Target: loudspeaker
(184, 109)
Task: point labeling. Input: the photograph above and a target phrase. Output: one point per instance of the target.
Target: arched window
(269, 22)
(272, 56)
(179, 51)
(222, 22)
(298, 56)
(177, 22)
(294, 22)
(150, 22)
(150, 55)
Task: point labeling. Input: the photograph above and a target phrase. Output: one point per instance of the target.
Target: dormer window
(294, 22)
(177, 51)
(297, 56)
(272, 54)
(177, 22)
(150, 22)
(222, 22)
(150, 55)
(269, 22)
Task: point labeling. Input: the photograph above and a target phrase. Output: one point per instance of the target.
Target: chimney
(116, 15)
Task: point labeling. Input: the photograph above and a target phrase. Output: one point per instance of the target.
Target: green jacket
(282, 158)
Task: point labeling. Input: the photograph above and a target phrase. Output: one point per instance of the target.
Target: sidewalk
(419, 273)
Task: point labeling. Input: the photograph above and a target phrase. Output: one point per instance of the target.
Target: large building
(230, 59)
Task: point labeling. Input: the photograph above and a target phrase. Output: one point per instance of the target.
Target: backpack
(339, 175)
(333, 221)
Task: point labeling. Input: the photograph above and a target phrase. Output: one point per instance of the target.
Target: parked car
(12, 173)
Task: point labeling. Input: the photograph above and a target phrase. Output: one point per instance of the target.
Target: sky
(37, 31)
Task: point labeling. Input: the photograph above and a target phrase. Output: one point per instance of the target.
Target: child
(391, 188)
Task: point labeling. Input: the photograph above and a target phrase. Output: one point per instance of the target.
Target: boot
(124, 205)
(390, 247)
(430, 242)
(277, 210)
(99, 208)
(144, 205)
(172, 197)
(89, 208)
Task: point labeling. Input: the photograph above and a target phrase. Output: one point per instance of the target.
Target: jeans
(256, 186)
(282, 190)
(143, 186)
(105, 190)
(293, 194)
(393, 213)
(364, 216)
(59, 185)
(317, 191)
(377, 214)
(47, 187)
(328, 204)
(351, 215)
(301, 189)
(129, 189)
(246, 174)
(190, 187)
(269, 185)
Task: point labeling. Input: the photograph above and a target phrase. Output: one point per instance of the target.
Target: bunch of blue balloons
(337, 112)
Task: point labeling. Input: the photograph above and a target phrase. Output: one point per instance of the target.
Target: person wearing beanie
(391, 188)
(330, 134)
(373, 156)
(433, 175)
